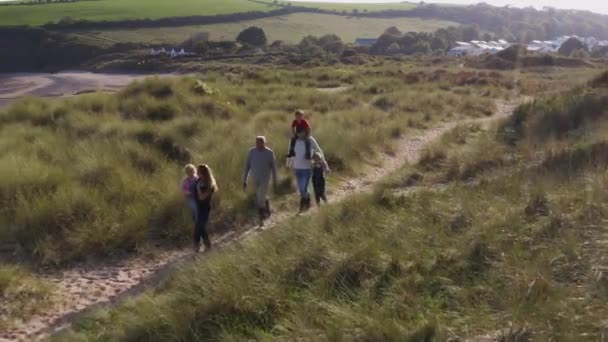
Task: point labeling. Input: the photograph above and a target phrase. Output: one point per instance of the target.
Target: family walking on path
(305, 157)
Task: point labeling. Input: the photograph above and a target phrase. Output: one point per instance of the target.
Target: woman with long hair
(205, 188)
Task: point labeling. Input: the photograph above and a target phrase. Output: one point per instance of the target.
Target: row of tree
(393, 41)
(512, 23)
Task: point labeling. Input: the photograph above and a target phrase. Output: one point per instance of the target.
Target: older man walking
(261, 164)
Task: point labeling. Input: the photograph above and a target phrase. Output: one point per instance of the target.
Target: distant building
(365, 41)
(464, 50)
(173, 53)
(480, 47)
(477, 47)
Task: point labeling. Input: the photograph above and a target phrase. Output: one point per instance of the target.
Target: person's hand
(245, 186)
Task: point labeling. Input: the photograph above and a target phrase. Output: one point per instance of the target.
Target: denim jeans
(200, 228)
(303, 179)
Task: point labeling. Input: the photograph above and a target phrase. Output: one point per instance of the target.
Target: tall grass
(503, 247)
(98, 174)
(21, 295)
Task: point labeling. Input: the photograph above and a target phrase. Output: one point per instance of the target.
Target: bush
(571, 46)
(253, 36)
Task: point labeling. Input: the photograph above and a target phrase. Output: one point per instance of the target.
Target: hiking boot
(197, 247)
(262, 216)
(307, 203)
(267, 209)
(302, 205)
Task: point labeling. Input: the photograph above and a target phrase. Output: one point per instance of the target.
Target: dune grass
(291, 28)
(21, 295)
(464, 255)
(97, 175)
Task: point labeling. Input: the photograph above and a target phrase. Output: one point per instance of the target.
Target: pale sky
(600, 6)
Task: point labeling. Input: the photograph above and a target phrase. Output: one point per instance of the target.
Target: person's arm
(247, 169)
(203, 195)
(185, 187)
(273, 168)
(326, 166)
(314, 147)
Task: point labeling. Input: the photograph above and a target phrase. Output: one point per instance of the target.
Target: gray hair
(261, 138)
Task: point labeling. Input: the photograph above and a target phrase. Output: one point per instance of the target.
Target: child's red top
(300, 124)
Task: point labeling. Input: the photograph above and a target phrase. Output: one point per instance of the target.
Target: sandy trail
(14, 86)
(86, 288)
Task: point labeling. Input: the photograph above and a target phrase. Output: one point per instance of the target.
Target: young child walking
(299, 124)
(319, 169)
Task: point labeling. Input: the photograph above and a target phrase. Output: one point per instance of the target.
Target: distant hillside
(513, 24)
(103, 10)
(34, 49)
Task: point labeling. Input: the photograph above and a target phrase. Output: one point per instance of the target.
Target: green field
(153, 9)
(291, 28)
(362, 7)
(123, 9)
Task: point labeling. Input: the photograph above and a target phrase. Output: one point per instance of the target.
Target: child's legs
(318, 189)
(292, 146)
(322, 190)
(193, 207)
(317, 197)
(321, 187)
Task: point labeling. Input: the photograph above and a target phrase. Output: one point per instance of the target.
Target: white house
(464, 50)
(173, 53)
(365, 41)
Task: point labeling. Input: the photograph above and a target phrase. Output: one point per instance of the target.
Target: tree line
(513, 24)
(40, 2)
(75, 24)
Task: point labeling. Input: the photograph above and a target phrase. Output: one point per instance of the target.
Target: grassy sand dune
(99, 171)
(96, 176)
(506, 240)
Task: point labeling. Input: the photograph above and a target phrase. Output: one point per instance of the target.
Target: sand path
(85, 288)
(14, 86)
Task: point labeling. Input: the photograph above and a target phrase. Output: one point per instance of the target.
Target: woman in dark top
(204, 188)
